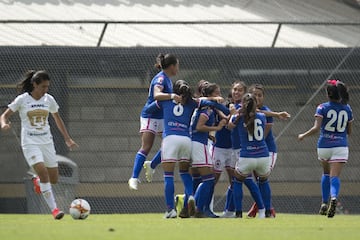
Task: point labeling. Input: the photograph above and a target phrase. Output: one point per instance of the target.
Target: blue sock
(203, 191)
(156, 160)
(335, 186)
(237, 194)
(254, 191)
(187, 181)
(325, 187)
(210, 196)
(196, 179)
(229, 203)
(138, 163)
(169, 190)
(265, 191)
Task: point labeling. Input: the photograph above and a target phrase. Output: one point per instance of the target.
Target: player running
(34, 105)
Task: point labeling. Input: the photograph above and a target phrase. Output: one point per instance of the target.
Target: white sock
(48, 195)
(262, 213)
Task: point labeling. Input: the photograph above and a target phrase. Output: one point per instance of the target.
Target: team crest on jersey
(160, 79)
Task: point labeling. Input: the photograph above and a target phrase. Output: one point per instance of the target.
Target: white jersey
(34, 115)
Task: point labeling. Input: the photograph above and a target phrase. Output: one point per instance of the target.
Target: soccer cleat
(170, 214)
(253, 211)
(323, 209)
(198, 214)
(228, 214)
(238, 214)
(332, 208)
(268, 214)
(211, 214)
(149, 172)
(184, 213)
(133, 183)
(179, 202)
(263, 213)
(57, 214)
(36, 181)
(273, 213)
(191, 206)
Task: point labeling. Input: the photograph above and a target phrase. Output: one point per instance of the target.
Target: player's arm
(5, 125)
(212, 103)
(61, 126)
(202, 127)
(160, 96)
(313, 130)
(349, 128)
(153, 107)
(281, 115)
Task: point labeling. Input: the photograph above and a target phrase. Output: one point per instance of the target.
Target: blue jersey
(223, 136)
(270, 140)
(235, 138)
(177, 116)
(253, 145)
(198, 136)
(335, 117)
(164, 82)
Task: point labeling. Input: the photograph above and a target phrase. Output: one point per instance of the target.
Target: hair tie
(332, 82)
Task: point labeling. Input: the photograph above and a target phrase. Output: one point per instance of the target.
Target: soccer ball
(79, 209)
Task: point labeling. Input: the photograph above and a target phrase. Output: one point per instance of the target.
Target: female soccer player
(176, 144)
(34, 105)
(202, 123)
(258, 91)
(152, 123)
(334, 120)
(254, 154)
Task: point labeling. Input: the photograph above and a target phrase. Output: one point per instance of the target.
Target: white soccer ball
(79, 209)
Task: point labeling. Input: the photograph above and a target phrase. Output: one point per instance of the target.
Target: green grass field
(153, 226)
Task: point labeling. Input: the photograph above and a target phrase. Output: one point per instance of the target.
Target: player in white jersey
(334, 120)
(34, 106)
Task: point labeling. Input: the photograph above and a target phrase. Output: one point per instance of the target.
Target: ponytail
(249, 105)
(30, 77)
(337, 91)
(343, 92)
(165, 61)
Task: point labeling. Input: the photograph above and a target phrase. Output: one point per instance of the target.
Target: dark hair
(183, 89)
(165, 61)
(257, 86)
(337, 91)
(201, 85)
(31, 76)
(242, 83)
(249, 111)
(208, 89)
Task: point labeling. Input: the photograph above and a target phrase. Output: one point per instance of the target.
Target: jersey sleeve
(219, 106)
(53, 107)
(16, 104)
(153, 107)
(269, 120)
(319, 111)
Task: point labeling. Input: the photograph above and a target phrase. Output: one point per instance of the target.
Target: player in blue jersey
(334, 120)
(176, 144)
(258, 91)
(254, 153)
(202, 123)
(152, 123)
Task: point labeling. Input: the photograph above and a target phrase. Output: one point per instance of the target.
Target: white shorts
(273, 158)
(261, 166)
(235, 154)
(221, 158)
(335, 154)
(151, 125)
(40, 153)
(200, 155)
(175, 148)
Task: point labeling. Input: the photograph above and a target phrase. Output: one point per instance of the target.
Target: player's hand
(6, 126)
(284, 115)
(177, 98)
(301, 137)
(71, 144)
(219, 99)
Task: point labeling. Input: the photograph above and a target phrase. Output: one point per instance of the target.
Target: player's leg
(325, 188)
(335, 170)
(147, 141)
(204, 190)
(150, 166)
(169, 189)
